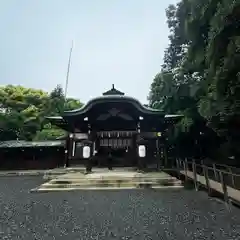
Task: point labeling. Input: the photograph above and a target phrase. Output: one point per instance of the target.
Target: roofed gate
(113, 121)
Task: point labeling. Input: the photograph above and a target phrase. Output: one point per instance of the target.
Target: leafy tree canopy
(200, 73)
(23, 112)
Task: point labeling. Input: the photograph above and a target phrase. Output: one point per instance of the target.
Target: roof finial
(113, 91)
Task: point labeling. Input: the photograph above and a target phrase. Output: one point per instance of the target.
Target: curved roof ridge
(100, 99)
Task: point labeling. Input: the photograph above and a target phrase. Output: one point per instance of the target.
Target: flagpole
(68, 69)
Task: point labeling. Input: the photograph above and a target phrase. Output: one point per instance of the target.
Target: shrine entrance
(120, 145)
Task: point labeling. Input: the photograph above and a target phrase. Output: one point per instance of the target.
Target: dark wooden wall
(31, 158)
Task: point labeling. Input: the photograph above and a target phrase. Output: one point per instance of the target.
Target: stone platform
(99, 179)
(54, 173)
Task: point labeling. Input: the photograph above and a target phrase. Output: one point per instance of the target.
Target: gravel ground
(132, 214)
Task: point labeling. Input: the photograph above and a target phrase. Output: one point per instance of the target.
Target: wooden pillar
(133, 150)
(139, 127)
(158, 153)
(66, 152)
(69, 149)
(89, 130)
(136, 137)
(165, 150)
(89, 163)
(139, 160)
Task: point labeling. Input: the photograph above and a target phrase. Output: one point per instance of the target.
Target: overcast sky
(115, 41)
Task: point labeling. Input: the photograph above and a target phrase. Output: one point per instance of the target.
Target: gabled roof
(112, 95)
(113, 98)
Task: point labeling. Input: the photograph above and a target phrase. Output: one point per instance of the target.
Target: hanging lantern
(159, 134)
(86, 152)
(142, 151)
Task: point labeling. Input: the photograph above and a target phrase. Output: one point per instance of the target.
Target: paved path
(140, 214)
(232, 193)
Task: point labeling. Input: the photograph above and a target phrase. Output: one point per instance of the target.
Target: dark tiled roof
(113, 98)
(24, 144)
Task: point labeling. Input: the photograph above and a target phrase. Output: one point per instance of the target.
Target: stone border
(22, 173)
(49, 190)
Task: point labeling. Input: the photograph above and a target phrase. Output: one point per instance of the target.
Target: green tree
(202, 63)
(23, 112)
(20, 111)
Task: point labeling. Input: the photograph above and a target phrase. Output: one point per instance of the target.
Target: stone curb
(47, 190)
(98, 183)
(109, 184)
(5, 174)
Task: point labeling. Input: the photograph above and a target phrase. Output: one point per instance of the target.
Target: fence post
(215, 172)
(205, 171)
(178, 167)
(195, 175)
(225, 192)
(185, 169)
(232, 177)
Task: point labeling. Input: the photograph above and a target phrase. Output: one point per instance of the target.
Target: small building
(114, 123)
(31, 155)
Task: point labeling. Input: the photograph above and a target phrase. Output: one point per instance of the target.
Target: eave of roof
(112, 98)
(173, 116)
(60, 122)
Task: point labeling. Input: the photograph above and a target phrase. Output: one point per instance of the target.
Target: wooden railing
(214, 177)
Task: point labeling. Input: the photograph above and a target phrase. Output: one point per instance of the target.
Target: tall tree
(23, 112)
(202, 57)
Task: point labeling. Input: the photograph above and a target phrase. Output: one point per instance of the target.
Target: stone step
(107, 183)
(51, 176)
(53, 173)
(120, 184)
(96, 181)
(105, 179)
(76, 177)
(50, 187)
(47, 190)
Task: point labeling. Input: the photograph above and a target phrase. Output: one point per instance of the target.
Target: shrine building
(117, 122)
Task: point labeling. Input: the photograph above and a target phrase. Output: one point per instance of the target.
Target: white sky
(115, 41)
